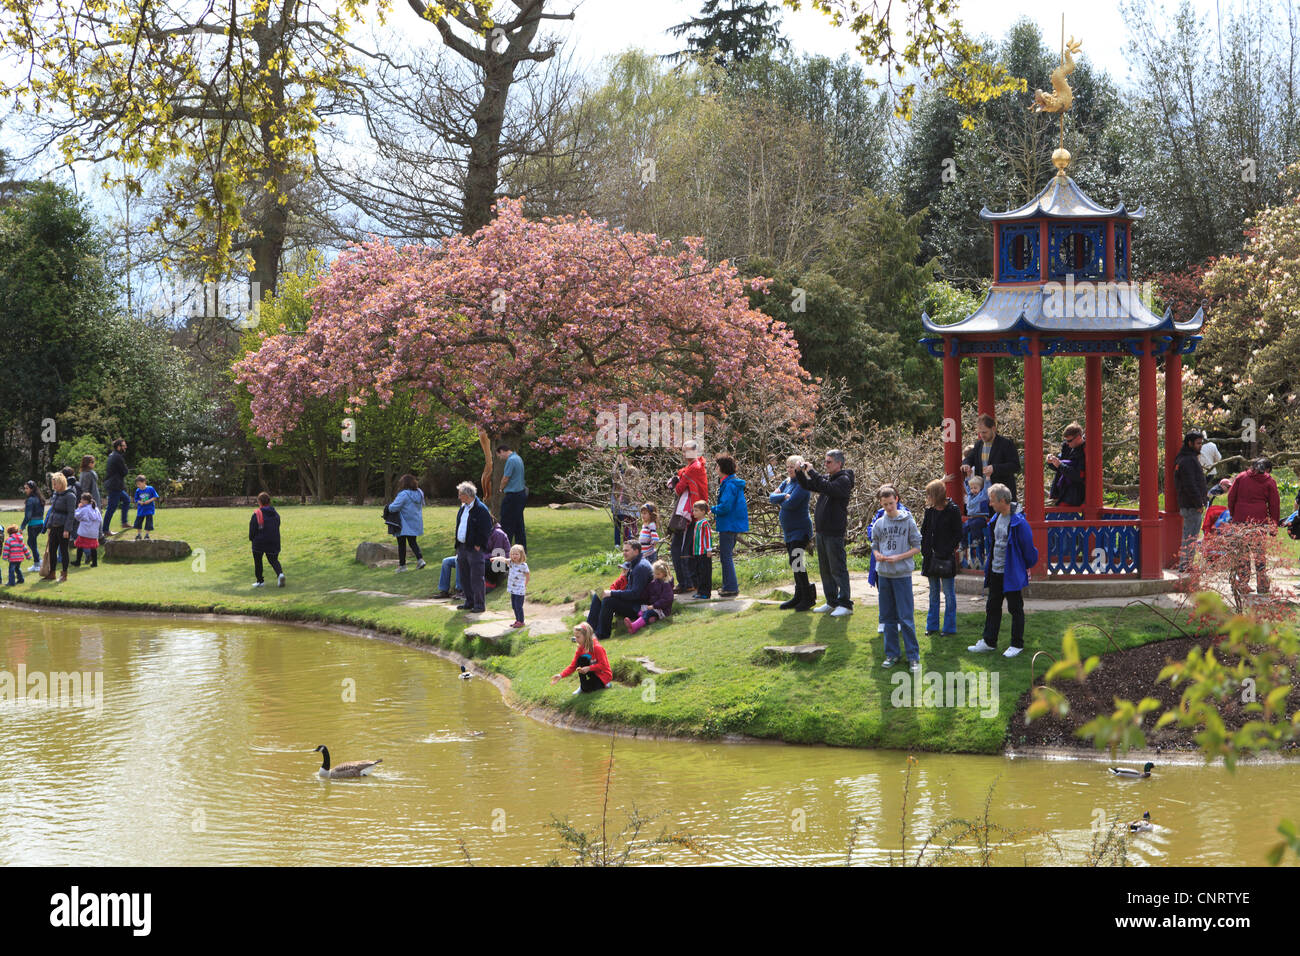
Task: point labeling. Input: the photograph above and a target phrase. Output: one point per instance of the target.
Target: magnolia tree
(566, 316)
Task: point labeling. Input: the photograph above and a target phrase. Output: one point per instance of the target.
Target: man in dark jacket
(994, 457)
(1068, 485)
(115, 487)
(1254, 499)
(473, 532)
(831, 522)
(264, 533)
(1189, 478)
(626, 602)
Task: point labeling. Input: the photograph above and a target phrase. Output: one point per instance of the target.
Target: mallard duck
(464, 674)
(1129, 773)
(1141, 826)
(355, 768)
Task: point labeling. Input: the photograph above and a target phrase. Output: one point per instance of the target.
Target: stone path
(865, 594)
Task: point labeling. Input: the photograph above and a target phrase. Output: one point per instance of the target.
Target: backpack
(393, 520)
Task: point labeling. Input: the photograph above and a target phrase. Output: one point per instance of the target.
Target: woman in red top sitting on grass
(589, 660)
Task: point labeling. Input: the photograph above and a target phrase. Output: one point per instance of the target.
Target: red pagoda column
(987, 392)
(1173, 442)
(952, 421)
(1033, 454)
(1092, 426)
(1148, 463)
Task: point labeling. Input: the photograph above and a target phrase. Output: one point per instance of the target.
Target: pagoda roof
(1062, 198)
(1040, 309)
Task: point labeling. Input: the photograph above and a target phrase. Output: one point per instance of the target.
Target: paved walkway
(865, 594)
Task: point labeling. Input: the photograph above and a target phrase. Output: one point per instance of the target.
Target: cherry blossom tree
(565, 316)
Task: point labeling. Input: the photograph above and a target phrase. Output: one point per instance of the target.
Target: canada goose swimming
(1141, 826)
(464, 674)
(1129, 773)
(356, 768)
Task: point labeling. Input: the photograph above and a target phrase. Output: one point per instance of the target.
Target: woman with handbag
(940, 541)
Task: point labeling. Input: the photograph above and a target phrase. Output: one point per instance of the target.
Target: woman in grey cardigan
(89, 481)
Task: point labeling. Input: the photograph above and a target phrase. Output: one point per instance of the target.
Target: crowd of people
(67, 516)
(990, 533)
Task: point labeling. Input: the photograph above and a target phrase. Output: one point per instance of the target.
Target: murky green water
(200, 754)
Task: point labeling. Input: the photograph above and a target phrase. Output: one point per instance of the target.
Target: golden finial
(1061, 97)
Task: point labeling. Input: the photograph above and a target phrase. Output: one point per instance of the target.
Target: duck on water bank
(355, 768)
(1128, 773)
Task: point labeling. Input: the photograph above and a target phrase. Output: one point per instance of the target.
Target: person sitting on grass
(622, 601)
(498, 559)
(146, 497)
(590, 661)
(701, 551)
(1009, 546)
(658, 599)
(517, 583)
(264, 533)
(448, 578)
(88, 526)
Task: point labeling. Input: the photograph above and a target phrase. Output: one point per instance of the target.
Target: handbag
(943, 567)
(679, 521)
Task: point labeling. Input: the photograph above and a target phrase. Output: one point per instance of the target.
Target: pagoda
(1061, 286)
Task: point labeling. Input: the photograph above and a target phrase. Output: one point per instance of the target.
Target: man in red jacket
(1254, 499)
(690, 484)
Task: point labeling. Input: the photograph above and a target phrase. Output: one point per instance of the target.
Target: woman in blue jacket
(409, 505)
(732, 513)
(1009, 546)
(796, 528)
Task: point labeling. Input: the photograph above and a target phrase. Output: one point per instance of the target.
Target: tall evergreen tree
(730, 31)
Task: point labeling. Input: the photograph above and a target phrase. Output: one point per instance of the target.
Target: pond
(191, 743)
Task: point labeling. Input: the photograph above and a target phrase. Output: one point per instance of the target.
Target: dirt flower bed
(1129, 674)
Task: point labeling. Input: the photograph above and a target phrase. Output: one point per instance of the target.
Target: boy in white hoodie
(895, 541)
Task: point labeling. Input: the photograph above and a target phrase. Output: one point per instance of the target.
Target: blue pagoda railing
(1109, 546)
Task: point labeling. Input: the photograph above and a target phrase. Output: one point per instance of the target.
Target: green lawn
(724, 684)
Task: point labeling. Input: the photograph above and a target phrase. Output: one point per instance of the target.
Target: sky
(605, 27)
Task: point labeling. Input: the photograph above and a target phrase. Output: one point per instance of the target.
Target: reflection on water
(202, 755)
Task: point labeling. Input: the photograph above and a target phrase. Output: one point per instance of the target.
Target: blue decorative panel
(1070, 550)
(1018, 255)
(1077, 249)
(1121, 252)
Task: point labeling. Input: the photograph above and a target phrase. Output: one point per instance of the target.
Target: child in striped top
(14, 552)
(649, 533)
(701, 551)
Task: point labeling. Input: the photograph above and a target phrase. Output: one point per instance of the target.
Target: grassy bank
(720, 681)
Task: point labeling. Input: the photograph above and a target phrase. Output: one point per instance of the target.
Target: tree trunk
(363, 482)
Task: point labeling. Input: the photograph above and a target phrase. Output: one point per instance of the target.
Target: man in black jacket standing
(115, 487)
(1189, 477)
(473, 530)
(831, 522)
(994, 457)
